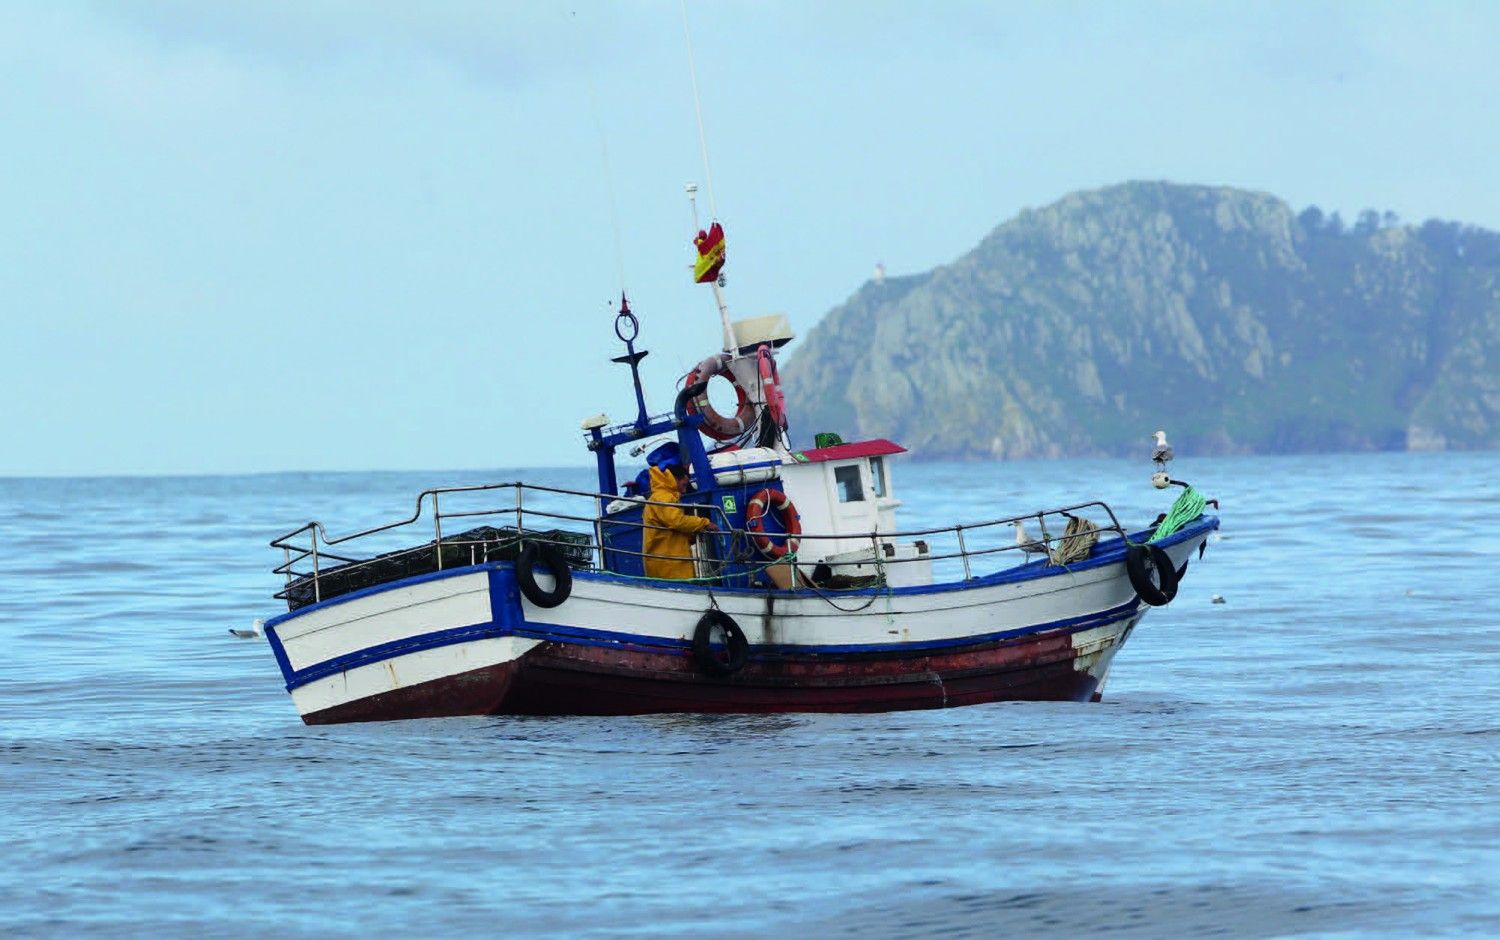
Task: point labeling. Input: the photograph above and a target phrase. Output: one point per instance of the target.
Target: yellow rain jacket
(669, 530)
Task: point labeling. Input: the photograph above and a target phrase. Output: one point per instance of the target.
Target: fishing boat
(804, 595)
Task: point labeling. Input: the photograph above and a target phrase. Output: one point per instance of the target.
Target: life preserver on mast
(717, 426)
(770, 385)
(779, 504)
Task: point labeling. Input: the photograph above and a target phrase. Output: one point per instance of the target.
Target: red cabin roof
(879, 447)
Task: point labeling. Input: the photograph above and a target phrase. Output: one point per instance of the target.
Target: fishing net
(475, 546)
(1188, 507)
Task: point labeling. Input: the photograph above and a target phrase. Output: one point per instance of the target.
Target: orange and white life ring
(785, 511)
(717, 426)
(770, 385)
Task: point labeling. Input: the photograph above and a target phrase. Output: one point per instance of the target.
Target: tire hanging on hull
(549, 558)
(1140, 560)
(736, 647)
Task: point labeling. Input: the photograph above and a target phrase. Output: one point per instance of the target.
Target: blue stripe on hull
(1109, 553)
(507, 619)
(583, 636)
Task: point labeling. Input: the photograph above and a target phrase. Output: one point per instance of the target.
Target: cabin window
(847, 480)
(877, 476)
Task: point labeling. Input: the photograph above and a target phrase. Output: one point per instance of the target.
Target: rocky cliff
(1220, 315)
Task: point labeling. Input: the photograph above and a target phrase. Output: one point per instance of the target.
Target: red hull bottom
(477, 692)
(557, 686)
(565, 679)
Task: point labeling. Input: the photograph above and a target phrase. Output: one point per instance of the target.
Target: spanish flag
(710, 261)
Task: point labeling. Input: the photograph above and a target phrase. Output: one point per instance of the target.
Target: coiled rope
(1077, 541)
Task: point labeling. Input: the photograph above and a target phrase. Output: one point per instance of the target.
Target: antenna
(708, 176)
(609, 186)
(627, 328)
(692, 193)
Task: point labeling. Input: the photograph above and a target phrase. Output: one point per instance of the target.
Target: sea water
(1316, 754)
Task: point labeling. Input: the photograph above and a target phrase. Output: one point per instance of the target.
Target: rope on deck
(1188, 507)
(1077, 541)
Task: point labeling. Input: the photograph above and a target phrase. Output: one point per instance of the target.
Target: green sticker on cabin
(728, 502)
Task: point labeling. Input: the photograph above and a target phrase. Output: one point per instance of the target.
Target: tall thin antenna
(708, 176)
(609, 183)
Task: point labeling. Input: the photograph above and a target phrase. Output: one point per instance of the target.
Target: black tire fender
(736, 647)
(1140, 561)
(540, 553)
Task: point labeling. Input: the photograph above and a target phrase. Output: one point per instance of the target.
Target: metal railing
(535, 513)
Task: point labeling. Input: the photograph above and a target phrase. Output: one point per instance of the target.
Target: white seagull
(1026, 543)
(256, 629)
(1163, 451)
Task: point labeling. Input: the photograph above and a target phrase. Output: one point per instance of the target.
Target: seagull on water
(1162, 452)
(1026, 543)
(256, 629)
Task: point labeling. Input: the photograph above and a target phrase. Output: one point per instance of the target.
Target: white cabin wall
(814, 490)
(806, 485)
(888, 504)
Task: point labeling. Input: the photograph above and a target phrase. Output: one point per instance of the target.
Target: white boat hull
(468, 642)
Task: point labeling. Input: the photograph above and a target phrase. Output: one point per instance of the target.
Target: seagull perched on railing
(1026, 543)
(1162, 452)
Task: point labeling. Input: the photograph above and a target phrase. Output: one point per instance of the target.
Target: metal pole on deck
(437, 530)
(962, 551)
(730, 346)
(317, 589)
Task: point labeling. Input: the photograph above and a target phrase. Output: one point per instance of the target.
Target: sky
(339, 235)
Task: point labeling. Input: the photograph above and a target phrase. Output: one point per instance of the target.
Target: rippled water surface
(1316, 755)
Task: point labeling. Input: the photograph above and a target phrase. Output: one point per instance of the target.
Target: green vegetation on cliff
(1221, 315)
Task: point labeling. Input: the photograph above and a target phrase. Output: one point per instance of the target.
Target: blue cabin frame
(621, 534)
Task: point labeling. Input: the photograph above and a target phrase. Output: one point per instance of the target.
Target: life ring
(781, 505)
(736, 647)
(551, 559)
(1139, 562)
(770, 385)
(715, 425)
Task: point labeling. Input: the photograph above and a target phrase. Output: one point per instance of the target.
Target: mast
(730, 346)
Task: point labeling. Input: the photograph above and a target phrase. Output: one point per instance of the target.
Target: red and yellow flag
(710, 261)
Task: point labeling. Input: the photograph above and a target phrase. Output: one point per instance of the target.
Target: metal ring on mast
(623, 318)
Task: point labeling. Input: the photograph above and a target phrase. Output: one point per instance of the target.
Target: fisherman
(669, 531)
